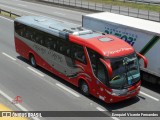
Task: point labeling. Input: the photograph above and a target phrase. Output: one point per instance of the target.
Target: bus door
(100, 72)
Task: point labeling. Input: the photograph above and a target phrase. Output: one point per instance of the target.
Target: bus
(99, 64)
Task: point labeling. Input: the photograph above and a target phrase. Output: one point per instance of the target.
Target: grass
(149, 7)
(6, 14)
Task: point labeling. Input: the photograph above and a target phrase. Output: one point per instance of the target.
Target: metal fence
(83, 4)
(8, 14)
(150, 2)
(102, 6)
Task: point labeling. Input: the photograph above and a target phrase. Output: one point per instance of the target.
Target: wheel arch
(83, 79)
(31, 54)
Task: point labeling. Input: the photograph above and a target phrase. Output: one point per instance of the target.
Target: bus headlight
(117, 92)
(108, 92)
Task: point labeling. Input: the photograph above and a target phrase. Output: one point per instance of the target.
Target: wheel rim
(32, 61)
(85, 88)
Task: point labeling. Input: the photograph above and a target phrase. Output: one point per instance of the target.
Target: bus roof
(136, 23)
(52, 26)
(106, 45)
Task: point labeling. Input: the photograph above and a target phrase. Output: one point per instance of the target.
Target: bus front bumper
(131, 92)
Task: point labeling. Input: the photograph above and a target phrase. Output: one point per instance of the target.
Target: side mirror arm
(144, 59)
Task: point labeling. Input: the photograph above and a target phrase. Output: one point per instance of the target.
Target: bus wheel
(33, 61)
(84, 88)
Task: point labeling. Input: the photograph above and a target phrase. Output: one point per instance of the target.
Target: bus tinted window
(101, 72)
(39, 38)
(98, 67)
(78, 53)
(28, 33)
(20, 29)
(93, 58)
(33, 35)
(49, 43)
(65, 48)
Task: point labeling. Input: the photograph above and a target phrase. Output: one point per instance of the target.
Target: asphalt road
(43, 91)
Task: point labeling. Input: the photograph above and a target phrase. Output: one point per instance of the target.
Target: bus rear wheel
(84, 88)
(33, 61)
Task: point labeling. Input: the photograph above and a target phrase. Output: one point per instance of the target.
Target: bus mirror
(144, 59)
(108, 66)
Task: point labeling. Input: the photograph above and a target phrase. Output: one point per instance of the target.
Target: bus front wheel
(33, 61)
(84, 88)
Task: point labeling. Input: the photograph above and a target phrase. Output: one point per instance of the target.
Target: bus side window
(31, 34)
(50, 43)
(22, 31)
(78, 53)
(20, 28)
(28, 33)
(101, 72)
(39, 38)
(65, 48)
(98, 67)
(60, 46)
(93, 58)
(55, 43)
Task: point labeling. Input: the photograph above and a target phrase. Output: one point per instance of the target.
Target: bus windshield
(125, 71)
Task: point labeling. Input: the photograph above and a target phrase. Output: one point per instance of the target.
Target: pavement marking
(18, 105)
(6, 19)
(100, 109)
(35, 71)
(8, 56)
(156, 99)
(59, 13)
(68, 90)
(22, 5)
(115, 118)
